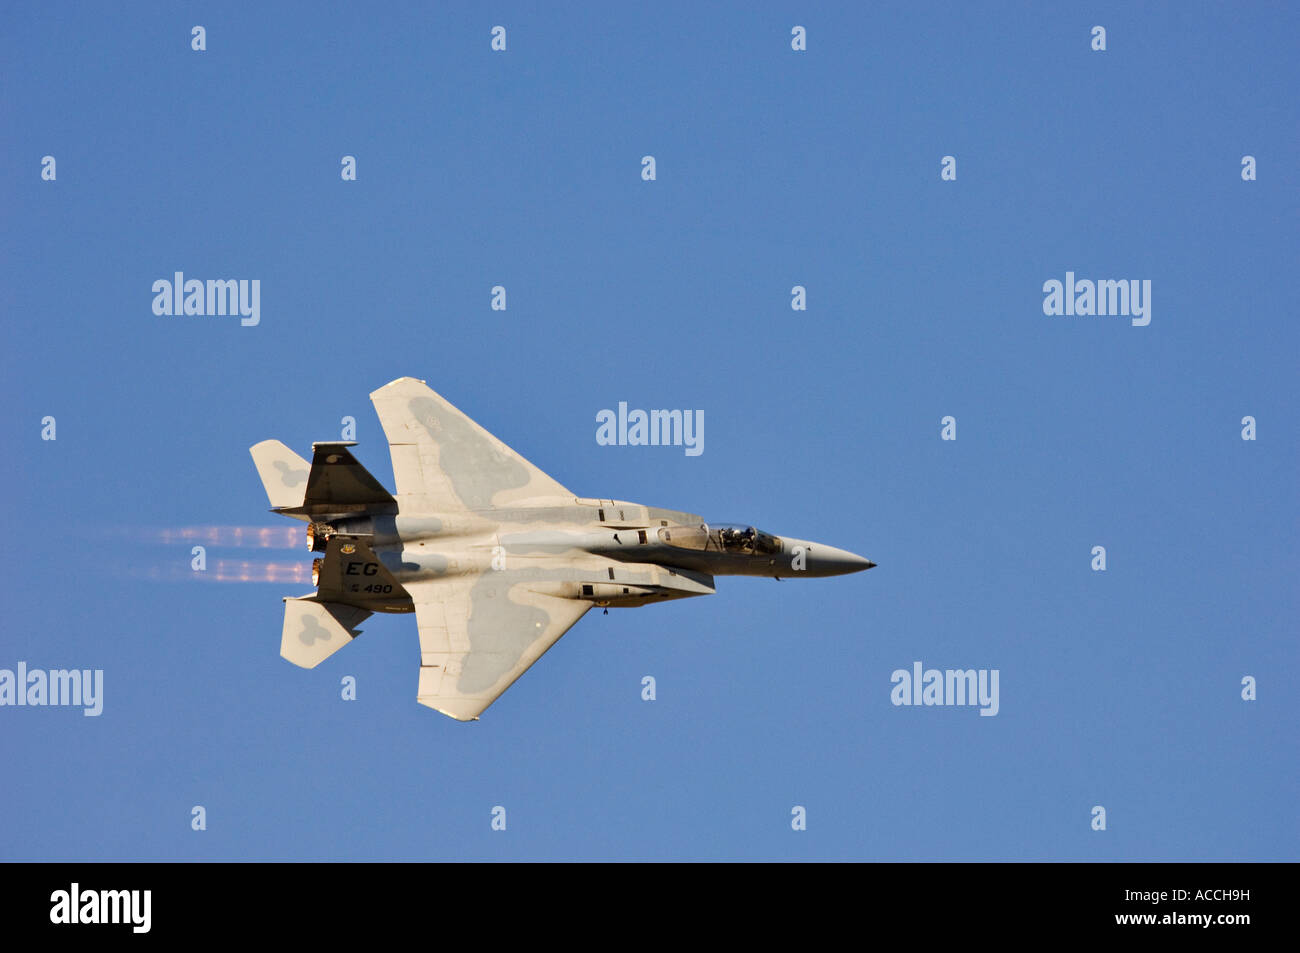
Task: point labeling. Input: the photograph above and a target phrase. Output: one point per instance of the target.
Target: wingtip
(400, 383)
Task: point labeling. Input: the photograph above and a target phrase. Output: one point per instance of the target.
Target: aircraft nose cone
(837, 562)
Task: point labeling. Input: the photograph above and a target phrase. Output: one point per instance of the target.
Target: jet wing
(479, 634)
(445, 462)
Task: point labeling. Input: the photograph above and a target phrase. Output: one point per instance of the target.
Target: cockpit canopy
(722, 538)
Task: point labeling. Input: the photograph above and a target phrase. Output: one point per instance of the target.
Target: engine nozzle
(318, 536)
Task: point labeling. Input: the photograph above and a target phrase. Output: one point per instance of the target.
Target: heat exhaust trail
(229, 570)
(259, 537)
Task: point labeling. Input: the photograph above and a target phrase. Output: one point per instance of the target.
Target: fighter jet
(495, 558)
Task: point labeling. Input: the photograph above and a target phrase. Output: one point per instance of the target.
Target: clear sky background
(775, 168)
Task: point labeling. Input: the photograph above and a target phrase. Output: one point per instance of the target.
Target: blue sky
(774, 168)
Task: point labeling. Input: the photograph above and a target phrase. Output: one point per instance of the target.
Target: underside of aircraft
(495, 558)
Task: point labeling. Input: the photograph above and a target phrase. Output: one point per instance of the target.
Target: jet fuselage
(548, 540)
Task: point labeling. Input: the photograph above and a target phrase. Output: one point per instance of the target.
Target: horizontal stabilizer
(283, 472)
(313, 631)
